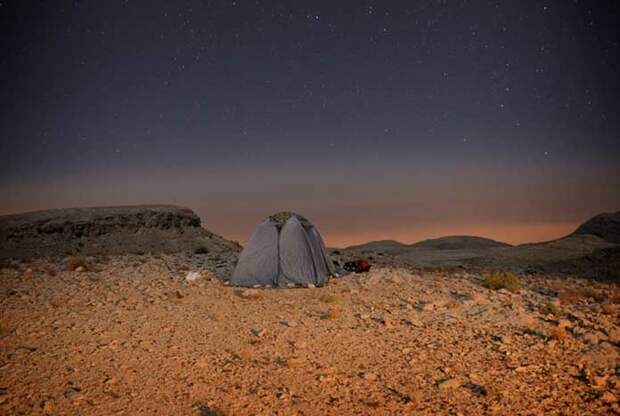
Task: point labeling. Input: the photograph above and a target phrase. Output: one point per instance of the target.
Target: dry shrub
(570, 295)
(73, 262)
(50, 271)
(549, 308)
(502, 280)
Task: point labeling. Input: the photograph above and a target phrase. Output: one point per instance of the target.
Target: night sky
(375, 119)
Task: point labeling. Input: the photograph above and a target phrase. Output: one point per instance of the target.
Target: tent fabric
(284, 250)
(321, 255)
(258, 263)
(296, 262)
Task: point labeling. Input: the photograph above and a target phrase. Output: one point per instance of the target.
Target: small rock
(326, 379)
(369, 376)
(609, 397)
(610, 308)
(479, 299)
(259, 332)
(614, 335)
(80, 269)
(72, 393)
(450, 383)
(111, 380)
(387, 321)
(427, 307)
(300, 345)
(592, 338)
(48, 407)
(249, 294)
(294, 361)
(599, 382)
(564, 323)
(192, 276)
(331, 313)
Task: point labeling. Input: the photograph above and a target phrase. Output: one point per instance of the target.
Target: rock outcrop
(108, 231)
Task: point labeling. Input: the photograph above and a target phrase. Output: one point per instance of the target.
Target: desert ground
(128, 334)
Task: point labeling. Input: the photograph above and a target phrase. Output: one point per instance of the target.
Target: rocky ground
(130, 335)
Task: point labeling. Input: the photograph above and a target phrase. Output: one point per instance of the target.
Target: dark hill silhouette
(459, 242)
(605, 226)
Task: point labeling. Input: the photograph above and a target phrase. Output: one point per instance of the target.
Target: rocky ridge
(108, 231)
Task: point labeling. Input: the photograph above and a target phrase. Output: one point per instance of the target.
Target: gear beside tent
(286, 250)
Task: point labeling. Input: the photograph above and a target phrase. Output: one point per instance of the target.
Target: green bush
(502, 280)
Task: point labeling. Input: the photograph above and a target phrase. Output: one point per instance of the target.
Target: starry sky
(375, 119)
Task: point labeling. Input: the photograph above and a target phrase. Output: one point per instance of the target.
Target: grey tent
(285, 250)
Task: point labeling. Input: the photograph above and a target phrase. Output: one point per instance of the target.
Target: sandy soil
(134, 338)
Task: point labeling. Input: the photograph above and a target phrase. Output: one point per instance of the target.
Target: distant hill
(459, 242)
(442, 243)
(107, 231)
(592, 251)
(605, 226)
(385, 245)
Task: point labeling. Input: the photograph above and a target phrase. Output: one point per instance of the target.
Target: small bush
(502, 280)
(549, 308)
(570, 295)
(73, 262)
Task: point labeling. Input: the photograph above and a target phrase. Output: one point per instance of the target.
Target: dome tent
(285, 250)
